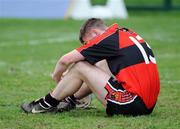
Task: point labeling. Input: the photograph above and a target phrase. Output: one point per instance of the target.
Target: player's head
(90, 29)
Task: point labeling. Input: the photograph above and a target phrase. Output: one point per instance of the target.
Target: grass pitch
(29, 50)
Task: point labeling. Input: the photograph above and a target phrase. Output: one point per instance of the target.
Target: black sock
(49, 101)
(73, 98)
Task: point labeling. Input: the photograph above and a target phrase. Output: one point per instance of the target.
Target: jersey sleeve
(104, 49)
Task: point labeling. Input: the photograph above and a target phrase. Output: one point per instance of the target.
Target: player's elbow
(71, 57)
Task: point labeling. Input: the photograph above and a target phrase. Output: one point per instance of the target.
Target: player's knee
(80, 66)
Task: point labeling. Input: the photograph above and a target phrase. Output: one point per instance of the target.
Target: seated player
(131, 87)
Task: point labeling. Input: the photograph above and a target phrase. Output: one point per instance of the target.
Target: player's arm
(63, 63)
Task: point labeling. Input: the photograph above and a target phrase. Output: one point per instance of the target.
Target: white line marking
(168, 55)
(170, 81)
(60, 39)
(2, 63)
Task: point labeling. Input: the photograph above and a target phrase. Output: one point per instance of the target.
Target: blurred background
(34, 34)
(79, 9)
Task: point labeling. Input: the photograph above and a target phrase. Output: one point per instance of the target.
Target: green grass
(29, 50)
(138, 2)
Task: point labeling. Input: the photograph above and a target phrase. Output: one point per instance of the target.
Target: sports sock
(48, 101)
(71, 99)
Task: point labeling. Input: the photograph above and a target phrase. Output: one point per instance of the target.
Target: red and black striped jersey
(129, 58)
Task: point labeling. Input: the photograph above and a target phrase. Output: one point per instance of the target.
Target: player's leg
(69, 85)
(84, 90)
(82, 98)
(94, 77)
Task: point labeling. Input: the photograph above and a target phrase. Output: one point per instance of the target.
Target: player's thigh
(95, 78)
(85, 90)
(104, 66)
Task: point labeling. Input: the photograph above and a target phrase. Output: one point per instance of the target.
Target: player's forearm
(58, 76)
(62, 65)
(60, 68)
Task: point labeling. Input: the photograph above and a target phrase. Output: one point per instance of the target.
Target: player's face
(89, 36)
(92, 34)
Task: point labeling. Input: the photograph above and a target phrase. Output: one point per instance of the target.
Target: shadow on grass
(78, 112)
(93, 112)
(89, 112)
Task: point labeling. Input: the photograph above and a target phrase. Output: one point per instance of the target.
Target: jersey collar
(112, 28)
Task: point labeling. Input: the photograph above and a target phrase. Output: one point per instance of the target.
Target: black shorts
(120, 101)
